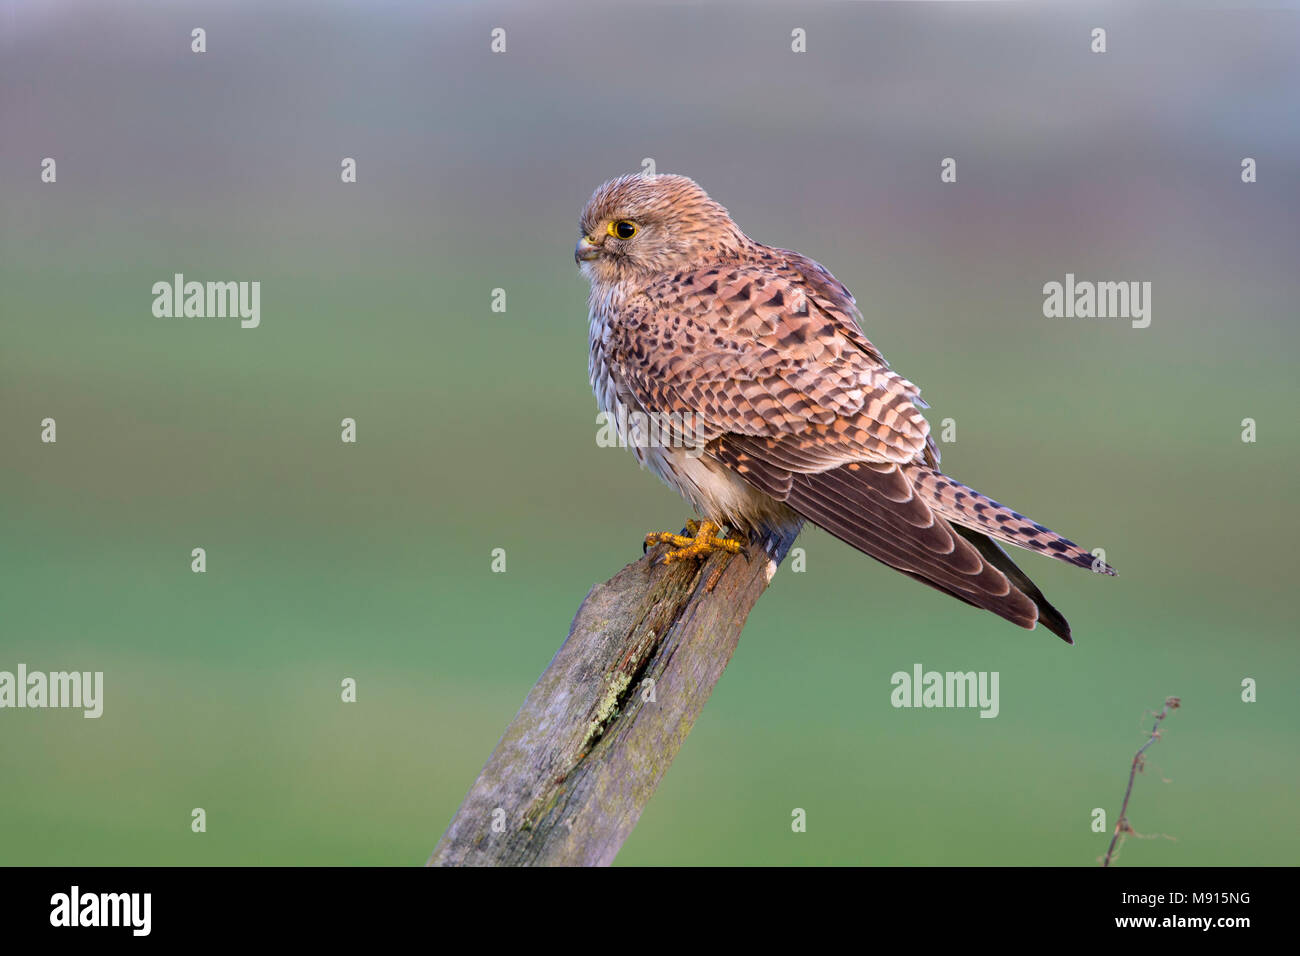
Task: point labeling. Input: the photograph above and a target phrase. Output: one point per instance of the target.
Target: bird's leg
(685, 539)
(704, 542)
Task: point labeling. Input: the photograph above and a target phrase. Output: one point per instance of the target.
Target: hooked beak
(585, 250)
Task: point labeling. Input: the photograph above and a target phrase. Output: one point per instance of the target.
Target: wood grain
(583, 756)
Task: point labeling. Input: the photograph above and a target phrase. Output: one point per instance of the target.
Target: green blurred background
(477, 430)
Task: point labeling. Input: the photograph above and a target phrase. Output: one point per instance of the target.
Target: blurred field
(477, 429)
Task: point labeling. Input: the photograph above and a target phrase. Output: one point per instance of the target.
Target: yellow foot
(702, 545)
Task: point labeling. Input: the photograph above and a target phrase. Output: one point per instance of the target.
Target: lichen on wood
(575, 768)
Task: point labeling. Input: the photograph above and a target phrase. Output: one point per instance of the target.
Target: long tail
(938, 534)
(965, 506)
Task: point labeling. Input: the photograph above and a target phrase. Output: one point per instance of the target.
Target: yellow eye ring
(622, 229)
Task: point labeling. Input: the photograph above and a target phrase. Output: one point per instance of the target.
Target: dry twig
(1122, 826)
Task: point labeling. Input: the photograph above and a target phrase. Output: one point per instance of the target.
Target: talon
(704, 542)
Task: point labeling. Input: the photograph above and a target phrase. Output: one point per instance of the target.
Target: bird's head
(639, 225)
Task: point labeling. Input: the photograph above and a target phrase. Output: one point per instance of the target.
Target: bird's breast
(712, 489)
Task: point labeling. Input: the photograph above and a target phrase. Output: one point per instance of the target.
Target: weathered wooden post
(582, 757)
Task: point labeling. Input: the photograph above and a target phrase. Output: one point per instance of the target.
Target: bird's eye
(622, 229)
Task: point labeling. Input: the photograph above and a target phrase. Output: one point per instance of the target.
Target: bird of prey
(774, 408)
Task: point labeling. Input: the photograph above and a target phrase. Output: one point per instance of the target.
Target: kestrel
(773, 406)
